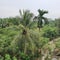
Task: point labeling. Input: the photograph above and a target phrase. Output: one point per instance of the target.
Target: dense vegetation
(29, 37)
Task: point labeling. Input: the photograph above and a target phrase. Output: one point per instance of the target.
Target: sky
(10, 8)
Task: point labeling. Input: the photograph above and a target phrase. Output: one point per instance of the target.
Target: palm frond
(42, 12)
(26, 17)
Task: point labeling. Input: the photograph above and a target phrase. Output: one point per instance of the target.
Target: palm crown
(40, 18)
(26, 17)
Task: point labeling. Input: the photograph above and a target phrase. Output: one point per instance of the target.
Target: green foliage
(7, 57)
(50, 32)
(58, 43)
(14, 58)
(20, 38)
(24, 56)
(6, 36)
(1, 58)
(14, 20)
(57, 22)
(43, 41)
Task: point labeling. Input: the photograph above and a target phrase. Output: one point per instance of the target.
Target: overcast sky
(10, 8)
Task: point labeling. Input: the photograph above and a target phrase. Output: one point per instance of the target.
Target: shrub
(1, 58)
(7, 57)
(14, 58)
(50, 32)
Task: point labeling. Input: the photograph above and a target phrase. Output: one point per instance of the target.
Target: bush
(1, 58)
(58, 43)
(14, 58)
(24, 56)
(7, 57)
(50, 32)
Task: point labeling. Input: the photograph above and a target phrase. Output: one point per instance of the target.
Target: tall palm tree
(27, 41)
(26, 19)
(40, 18)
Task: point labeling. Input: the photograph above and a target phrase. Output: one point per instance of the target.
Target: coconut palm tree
(24, 41)
(40, 18)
